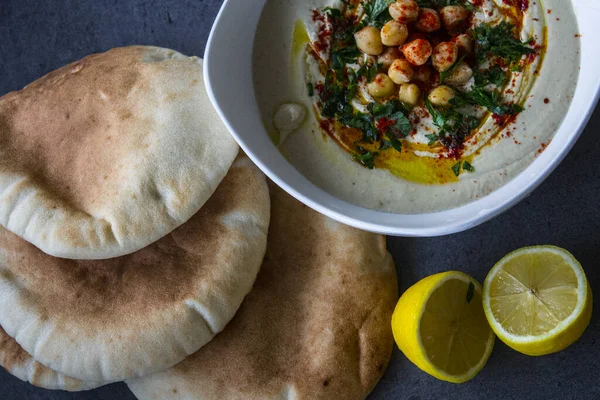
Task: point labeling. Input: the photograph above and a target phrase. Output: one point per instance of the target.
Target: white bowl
(228, 73)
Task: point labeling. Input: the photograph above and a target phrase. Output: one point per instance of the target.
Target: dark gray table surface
(39, 36)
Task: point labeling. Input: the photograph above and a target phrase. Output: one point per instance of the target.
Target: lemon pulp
(538, 300)
(440, 325)
(453, 331)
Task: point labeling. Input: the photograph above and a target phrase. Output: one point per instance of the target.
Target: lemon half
(439, 324)
(538, 300)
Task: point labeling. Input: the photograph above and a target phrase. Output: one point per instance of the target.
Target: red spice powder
(542, 148)
(455, 152)
(318, 16)
(327, 126)
(324, 32)
(504, 120)
(383, 124)
(531, 57)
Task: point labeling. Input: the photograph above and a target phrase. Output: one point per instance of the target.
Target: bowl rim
(450, 221)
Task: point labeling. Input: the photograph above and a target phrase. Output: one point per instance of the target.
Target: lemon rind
(582, 291)
(471, 373)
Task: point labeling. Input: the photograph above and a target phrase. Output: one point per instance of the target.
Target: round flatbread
(109, 154)
(108, 320)
(316, 325)
(19, 363)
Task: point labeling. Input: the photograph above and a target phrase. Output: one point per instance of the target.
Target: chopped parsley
(376, 12)
(443, 3)
(369, 71)
(391, 118)
(488, 99)
(384, 124)
(456, 168)
(367, 159)
(466, 166)
(450, 71)
(433, 138)
(454, 126)
(392, 141)
(343, 45)
(494, 75)
(499, 41)
(363, 122)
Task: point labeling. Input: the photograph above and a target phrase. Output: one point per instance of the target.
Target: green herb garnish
(369, 71)
(454, 126)
(456, 168)
(444, 3)
(500, 41)
(376, 12)
(470, 292)
(396, 115)
(494, 75)
(387, 108)
(343, 45)
(466, 166)
(390, 141)
(401, 124)
(488, 99)
(311, 89)
(450, 71)
(432, 139)
(367, 159)
(361, 121)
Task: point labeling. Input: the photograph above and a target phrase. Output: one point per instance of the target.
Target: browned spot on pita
(316, 321)
(11, 354)
(154, 277)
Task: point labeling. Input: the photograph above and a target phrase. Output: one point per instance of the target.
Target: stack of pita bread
(137, 245)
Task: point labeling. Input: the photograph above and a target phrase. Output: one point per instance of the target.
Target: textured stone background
(39, 36)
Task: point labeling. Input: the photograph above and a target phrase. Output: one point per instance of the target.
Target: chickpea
(368, 40)
(428, 21)
(394, 34)
(409, 94)
(444, 56)
(401, 71)
(441, 96)
(417, 52)
(461, 74)
(422, 73)
(404, 10)
(464, 43)
(388, 56)
(381, 86)
(453, 17)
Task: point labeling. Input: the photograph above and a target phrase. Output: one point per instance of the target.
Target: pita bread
(315, 326)
(105, 321)
(109, 154)
(18, 362)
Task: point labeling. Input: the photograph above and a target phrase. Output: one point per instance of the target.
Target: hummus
(422, 177)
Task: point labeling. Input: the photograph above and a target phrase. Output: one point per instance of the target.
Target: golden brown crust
(18, 362)
(102, 320)
(316, 324)
(94, 150)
